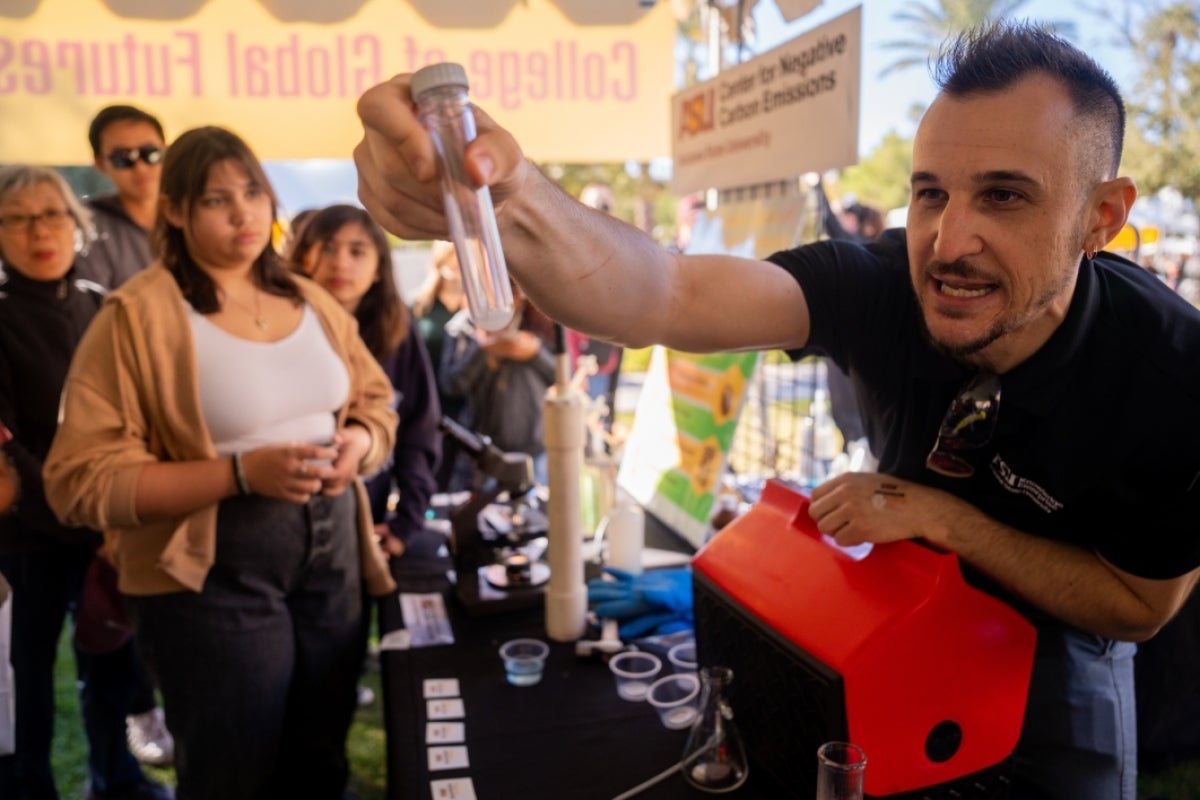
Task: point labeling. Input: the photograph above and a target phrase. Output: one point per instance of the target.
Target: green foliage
(881, 179)
(1163, 135)
(928, 24)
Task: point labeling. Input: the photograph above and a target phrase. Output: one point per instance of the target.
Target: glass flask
(840, 767)
(714, 759)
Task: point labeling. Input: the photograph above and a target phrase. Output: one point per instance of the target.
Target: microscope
(493, 534)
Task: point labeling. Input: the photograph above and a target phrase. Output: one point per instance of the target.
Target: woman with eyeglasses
(44, 310)
(217, 417)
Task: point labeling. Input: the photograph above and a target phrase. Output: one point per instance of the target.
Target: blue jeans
(259, 671)
(46, 587)
(1079, 738)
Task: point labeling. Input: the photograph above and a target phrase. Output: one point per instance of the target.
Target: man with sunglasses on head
(990, 343)
(127, 146)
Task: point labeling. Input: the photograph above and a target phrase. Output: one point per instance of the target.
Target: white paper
(439, 687)
(445, 733)
(425, 619)
(448, 758)
(453, 789)
(445, 708)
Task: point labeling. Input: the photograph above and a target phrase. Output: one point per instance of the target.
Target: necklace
(260, 321)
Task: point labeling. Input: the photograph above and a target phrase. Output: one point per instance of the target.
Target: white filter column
(566, 593)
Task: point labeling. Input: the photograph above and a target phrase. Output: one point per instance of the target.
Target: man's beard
(963, 352)
(1007, 324)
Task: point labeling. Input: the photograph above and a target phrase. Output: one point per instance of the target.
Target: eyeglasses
(969, 424)
(54, 219)
(125, 159)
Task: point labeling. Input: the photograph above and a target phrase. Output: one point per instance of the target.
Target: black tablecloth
(568, 737)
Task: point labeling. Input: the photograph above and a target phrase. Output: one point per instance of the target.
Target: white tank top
(258, 393)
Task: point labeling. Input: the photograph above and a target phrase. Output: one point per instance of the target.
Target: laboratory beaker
(840, 767)
(714, 759)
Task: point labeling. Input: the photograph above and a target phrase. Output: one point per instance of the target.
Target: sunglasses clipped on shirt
(969, 424)
(126, 157)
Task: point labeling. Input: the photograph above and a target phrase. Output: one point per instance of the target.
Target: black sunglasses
(127, 157)
(969, 424)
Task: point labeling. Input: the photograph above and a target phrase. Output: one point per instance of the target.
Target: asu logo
(698, 114)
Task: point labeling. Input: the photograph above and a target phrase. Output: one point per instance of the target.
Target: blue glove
(657, 602)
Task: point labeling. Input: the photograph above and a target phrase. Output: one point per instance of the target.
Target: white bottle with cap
(440, 92)
(625, 534)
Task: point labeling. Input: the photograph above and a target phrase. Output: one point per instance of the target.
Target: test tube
(440, 91)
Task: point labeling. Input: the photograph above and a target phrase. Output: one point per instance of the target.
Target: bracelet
(239, 475)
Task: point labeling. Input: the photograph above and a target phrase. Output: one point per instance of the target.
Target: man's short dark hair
(110, 114)
(998, 54)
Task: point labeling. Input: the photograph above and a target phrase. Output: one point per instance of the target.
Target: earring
(1090, 254)
(79, 241)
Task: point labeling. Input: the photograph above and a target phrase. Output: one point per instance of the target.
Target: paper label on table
(445, 732)
(425, 619)
(396, 640)
(445, 708)
(453, 789)
(440, 687)
(448, 758)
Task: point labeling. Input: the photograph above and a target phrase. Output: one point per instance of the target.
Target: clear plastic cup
(524, 660)
(683, 657)
(676, 699)
(634, 672)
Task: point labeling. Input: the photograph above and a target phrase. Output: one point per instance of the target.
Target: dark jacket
(418, 449)
(41, 323)
(121, 249)
(504, 402)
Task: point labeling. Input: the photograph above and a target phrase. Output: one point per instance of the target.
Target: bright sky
(885, 103)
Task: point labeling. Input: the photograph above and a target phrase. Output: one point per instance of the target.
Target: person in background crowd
(504, 376)
(44, 310)
(437, 300)
(350, 258)
(127, 148)
(216, 416)
(296, 242)
(687, 209)
(352, 261)
(10, 481)
(603, 383)
(999, 281)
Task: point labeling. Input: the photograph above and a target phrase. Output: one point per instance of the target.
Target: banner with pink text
(574, 80)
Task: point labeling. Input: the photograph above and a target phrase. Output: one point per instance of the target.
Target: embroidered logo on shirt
(1023, 486)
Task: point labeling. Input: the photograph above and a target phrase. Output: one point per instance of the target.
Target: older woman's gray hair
(15, 177)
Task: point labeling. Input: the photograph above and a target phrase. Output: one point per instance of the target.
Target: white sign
(791, 110)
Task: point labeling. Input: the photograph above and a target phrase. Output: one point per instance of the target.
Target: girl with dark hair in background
(351, 259)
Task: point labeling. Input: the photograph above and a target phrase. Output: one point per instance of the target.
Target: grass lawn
(368, 769)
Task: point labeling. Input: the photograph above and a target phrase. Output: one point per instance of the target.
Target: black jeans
(46, 587)
(259, 671)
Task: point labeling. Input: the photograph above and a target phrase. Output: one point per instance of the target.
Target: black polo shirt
(1098, 434)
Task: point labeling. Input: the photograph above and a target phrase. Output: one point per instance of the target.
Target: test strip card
(453, 789)
(447, 758)
(445, 708)
(445, 732)
(440, 687)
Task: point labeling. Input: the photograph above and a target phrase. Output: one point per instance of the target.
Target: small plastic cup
(634, 671)
(683, 657)
(524, 660)
(675, 698)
